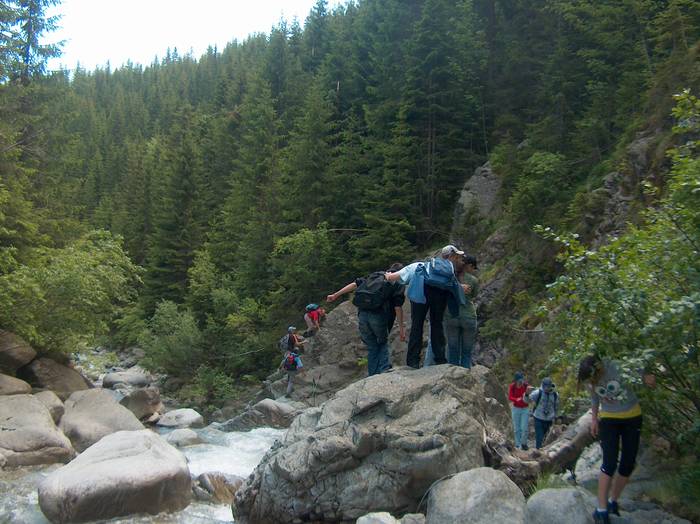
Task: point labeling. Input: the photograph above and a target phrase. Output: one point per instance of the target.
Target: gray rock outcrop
(28, 434)
(125, 473)
(13, 386)
(52, 403)
(44, 373)
(479, 496)
(92, 414)
(479, 200)
(377, 445)
(181, 418)
(14, 352)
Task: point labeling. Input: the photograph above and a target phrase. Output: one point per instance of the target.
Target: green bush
(172, 341)
(65, 297)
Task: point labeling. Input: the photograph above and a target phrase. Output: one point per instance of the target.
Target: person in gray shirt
(545, 409)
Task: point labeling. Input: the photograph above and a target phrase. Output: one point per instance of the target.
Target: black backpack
(372, 293)
(284, 343)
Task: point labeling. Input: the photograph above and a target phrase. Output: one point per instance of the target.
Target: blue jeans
(461, 336)
(375, 334)
(541, 430)
(520, 420)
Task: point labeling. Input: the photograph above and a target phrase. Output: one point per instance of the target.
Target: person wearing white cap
(432, 286)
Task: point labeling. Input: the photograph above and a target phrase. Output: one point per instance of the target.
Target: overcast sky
(97, 31)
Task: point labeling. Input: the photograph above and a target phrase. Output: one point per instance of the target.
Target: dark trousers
(541, 430)
(435, 304)
(615, 434)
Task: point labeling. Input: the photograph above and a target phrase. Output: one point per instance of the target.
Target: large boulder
(181, 418)
(382, 517)
(92, 414)
(14, 352)
(52, 403)
(125, 473)
(267, 412)
(28, 434)
(143, 402)
(479, 496)
(44, 373)
(13, 386)
(548, 505)
(135, 377)
(377, 445)
(183, 437)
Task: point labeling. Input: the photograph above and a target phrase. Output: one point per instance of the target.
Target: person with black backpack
(432, 287)
(545, 409)
(375, 298)
(291, 364)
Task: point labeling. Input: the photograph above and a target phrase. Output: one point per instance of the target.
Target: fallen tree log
(559, 455)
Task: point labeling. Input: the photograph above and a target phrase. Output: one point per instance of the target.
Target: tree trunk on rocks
(557, 456)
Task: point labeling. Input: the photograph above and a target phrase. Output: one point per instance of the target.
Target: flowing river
(235, 453)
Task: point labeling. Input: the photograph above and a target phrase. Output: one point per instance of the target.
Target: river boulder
(181, 418)
(13, 386)
(135, 377)
(14, 352)
(143, 402)
(548, 505)
(28, 434)
(52, 403)
(377, 445)
(44, 373)
(92, 414)
(125, 473)
(183, 437)
(267, 412)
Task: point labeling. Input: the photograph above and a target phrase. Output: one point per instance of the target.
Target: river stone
(377, 518)
(13, 386)
(266, 413)
(28, 434)
(52, 403)
(143, 402)
(480, 496)
(44, 373)
(181, 418)
(92, 414)
(130, 377)
(14, 352)
(219, 487)
(125, 473)
(548, 505)
(183, 437)
(377, 445)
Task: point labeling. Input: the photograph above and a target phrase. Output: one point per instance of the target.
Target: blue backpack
(439, 273)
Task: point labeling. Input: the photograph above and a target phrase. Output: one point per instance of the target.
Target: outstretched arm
(393, 277)
(352, 286)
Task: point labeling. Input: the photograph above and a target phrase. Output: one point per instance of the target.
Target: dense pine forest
(194, 205)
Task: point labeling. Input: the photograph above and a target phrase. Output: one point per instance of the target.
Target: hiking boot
(524, 447)
(613, 507)
(601, 517)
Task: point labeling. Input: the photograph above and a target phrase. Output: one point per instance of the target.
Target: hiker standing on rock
(545, 410)
(619, 428)
(432, 287)
(461, 328)
(517, 395)
(291, 364)
(375, 297)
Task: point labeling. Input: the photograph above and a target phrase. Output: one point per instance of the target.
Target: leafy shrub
(172, 341)
(65, 297)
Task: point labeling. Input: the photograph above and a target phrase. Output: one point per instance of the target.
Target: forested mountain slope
(254, 179)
